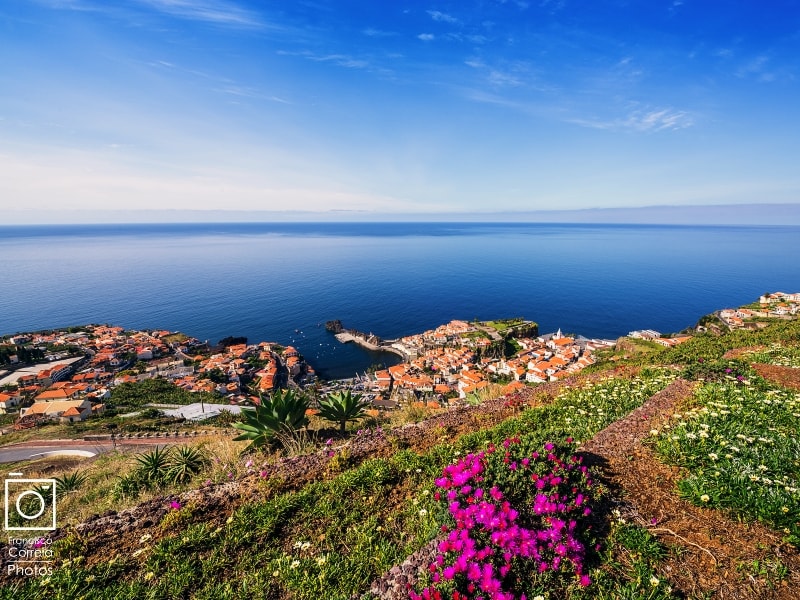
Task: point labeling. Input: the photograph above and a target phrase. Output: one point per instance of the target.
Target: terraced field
(635, 482)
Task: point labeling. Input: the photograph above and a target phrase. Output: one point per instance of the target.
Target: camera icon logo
(30, 504)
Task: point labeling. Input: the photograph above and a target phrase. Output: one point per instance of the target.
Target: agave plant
(284, 411)
(70, 482)
(342, 407)
(184, 463)
(152, 466)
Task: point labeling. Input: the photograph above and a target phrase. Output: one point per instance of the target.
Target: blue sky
(396, 107)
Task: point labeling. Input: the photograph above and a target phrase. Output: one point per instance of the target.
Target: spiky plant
(152, 466)
(341, 407)
(284, 411)
(70, 482)
(184, 463)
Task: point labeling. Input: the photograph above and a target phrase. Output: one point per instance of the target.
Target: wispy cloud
(756, 68)
(501, 79)
(377, 33)
(218, 12)
(426, 37)
(442, 17)
(641, 120)
(244, 92)
(342, 60)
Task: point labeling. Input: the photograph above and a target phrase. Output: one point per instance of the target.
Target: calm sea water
(281, 282)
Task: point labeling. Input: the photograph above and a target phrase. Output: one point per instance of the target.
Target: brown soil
(739, 352)
(717, 554)
(788, 377)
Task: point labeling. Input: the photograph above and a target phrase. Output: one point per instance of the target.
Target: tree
(341, 407)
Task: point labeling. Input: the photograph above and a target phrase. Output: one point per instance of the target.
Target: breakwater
(370, 341)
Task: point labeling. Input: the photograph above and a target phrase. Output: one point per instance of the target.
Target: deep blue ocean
(281, 282)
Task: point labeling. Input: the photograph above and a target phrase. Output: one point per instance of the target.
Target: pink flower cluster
(488, 549)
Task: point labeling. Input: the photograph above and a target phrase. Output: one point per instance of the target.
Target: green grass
(333, 537)
(739, 447)
(776, 354)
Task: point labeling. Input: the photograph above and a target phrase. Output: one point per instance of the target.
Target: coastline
(345, 338)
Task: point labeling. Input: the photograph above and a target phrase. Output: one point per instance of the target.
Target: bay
(281, 281)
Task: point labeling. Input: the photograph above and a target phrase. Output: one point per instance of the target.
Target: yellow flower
(705, 498)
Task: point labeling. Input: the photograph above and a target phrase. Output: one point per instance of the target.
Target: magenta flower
(175, 505)
(482, 547)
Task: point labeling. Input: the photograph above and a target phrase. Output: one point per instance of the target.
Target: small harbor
(369, 341)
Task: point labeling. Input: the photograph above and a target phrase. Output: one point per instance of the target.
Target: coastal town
(68, 375)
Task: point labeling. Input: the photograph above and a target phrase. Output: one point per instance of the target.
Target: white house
(9, 402)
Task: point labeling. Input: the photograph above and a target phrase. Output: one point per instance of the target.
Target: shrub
(518, 523)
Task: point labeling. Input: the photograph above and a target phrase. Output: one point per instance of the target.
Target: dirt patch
(717, 554)
(787, 377)
(739, 352)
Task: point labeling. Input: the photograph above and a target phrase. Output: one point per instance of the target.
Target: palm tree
(341, 407)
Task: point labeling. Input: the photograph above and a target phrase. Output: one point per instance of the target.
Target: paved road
(27, 450)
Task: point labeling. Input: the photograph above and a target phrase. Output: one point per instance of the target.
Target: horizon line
(700, 214)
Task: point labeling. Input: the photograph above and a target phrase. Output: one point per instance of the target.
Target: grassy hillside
(672, 473)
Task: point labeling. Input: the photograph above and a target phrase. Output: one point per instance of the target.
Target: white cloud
(426, 37)
(342, 60)
(641, 120)
(500, 79)
(377, 33)
(210, 11)
(756, 68)
(442, 17)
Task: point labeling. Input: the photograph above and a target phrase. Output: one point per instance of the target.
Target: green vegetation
(476, 335)
(514, 327)
(343, 407)
(331, 537)
(284, 412)
(739, 447)
(24, 354)
(184, 463)
(156, 391)
(159, 468)
(175, 338)
(710, 347)
(776, 354)
(70, 482)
